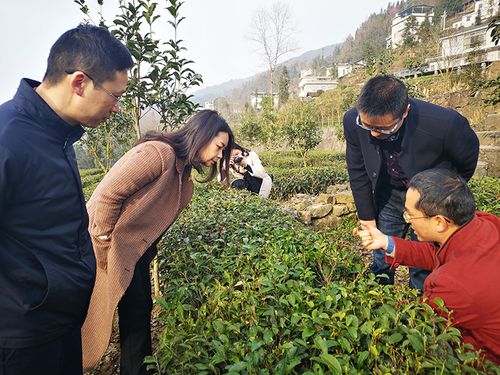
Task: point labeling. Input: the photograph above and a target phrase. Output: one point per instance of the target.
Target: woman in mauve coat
(130, 210)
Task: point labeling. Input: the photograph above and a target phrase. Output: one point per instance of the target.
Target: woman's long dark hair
(196, 133)
(244, 151)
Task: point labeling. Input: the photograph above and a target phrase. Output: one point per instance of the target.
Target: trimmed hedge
(290, 159)
(486, 192)
(90, 172)
(313, 180)
(289, 181)
(324, 168)
(90, 180)
(247, 290)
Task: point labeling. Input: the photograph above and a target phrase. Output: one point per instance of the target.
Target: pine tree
(409, 38)
(425, 29)
(284, 86)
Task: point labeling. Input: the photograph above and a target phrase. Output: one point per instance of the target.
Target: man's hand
(371, 237)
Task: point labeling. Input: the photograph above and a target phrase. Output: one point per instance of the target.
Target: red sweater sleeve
(413, 254)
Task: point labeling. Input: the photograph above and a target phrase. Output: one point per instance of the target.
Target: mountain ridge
(224, 89)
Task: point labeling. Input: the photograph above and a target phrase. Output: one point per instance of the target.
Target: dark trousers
(390, 222)
(62, 356)
(134, 313)
(249, 183)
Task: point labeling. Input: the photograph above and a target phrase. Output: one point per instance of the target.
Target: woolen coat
(136, 202)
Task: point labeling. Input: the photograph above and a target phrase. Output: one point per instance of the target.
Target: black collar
(30, 103)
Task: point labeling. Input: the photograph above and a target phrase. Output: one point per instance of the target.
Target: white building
(208, 105)
(256, 99)
(483, 10)
(344, 69)
(456, 48)
(420, 12)
(310, 84)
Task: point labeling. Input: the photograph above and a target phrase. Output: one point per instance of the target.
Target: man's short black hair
(88, 48)
(443, 192)
(383, 95)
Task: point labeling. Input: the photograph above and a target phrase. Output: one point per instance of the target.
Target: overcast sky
(215, 33)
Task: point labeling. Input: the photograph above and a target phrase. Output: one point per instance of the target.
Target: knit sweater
(135, 203)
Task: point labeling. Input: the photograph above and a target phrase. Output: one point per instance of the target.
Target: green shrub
(90, 180)
(291, 177)
(291, 159)
(90, 172)
(313, 180)
(486, 192)
(247, 290)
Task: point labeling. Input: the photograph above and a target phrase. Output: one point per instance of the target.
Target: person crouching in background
(249, 172)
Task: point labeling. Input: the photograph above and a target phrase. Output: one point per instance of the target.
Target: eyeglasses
(379, 130)
(409, 218)
(116, 98)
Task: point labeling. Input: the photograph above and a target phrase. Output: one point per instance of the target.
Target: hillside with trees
(367, 44)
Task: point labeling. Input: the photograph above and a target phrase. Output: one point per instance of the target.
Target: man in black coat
(390, 138)
(47, 265)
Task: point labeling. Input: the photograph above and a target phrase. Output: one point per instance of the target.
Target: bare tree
(273, 30)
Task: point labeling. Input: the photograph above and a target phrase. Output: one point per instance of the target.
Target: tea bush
(90, 179)
(90, 172)
(486, 192)
(324, 168)
(311, 180)
(291, 159)
(247, 290)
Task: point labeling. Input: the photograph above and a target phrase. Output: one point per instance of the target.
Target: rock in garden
(344, 197)
(340, 209)
(327, 222)
(304, 216)
(325, 198)
(319, 210)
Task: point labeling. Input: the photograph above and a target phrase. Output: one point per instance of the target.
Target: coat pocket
(22, 275)
(101, 251)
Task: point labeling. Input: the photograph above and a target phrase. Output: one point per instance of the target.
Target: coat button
(374, 174)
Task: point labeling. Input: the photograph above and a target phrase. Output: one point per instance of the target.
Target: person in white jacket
(250, 174)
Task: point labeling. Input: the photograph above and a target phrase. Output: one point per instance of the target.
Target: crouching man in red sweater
(461, 246)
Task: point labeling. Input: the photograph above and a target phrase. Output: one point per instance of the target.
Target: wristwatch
(390, 247)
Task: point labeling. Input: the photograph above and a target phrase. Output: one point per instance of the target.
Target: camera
(237, 159)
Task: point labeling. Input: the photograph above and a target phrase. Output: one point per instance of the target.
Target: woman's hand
(101, 248)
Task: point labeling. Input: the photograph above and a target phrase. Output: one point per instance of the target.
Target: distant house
(344, 69)
(208, 105)
(420, 12)
(310, 84)
(256, 99)
(456, 48)
(474, 11)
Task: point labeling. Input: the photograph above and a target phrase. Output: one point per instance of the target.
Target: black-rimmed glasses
(379, 130)
(116, 98)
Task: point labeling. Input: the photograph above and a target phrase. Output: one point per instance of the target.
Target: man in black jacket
(47, 266)
(390, 138)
